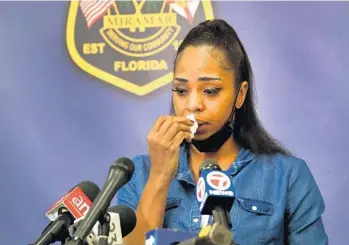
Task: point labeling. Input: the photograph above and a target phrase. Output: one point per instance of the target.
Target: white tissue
(193, 128)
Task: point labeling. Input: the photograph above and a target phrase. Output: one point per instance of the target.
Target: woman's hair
(248, 130)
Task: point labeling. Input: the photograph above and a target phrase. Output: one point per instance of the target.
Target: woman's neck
(224, 156)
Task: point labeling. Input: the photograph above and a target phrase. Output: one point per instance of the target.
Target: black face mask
(215, 141)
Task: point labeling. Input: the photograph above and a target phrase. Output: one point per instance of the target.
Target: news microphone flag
(61, 213)
(76, 202)
(214, 188)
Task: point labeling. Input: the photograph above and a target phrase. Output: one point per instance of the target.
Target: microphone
(215, 192)
(119, 174)
(75, 204)
(122, 222)
(128, 218)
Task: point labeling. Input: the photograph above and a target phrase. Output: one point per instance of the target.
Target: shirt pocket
(250, 218)
(172, 212)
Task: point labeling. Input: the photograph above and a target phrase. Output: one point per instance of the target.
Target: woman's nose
(195, 102)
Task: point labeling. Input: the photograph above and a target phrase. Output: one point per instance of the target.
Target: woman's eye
(179, 91)
(212, 91)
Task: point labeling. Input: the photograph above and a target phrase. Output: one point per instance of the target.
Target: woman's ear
(242, 94)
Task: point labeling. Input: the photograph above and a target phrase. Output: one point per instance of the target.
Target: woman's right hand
(164, 140)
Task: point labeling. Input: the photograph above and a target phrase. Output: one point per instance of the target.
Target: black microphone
(216, 196)
(57, 230)
(112, 232)
(119, 174)
(217, 193)
(128, 218)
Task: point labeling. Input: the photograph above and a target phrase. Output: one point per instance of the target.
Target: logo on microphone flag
(218, 180)
(76, 202)
(217, 187)
(200, 189)
(131, 44)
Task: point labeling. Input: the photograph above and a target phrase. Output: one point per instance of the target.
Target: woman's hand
(164, 141)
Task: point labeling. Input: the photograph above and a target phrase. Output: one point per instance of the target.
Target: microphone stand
(102, 236)
(216, 234)
(103, 229)
(221, 216)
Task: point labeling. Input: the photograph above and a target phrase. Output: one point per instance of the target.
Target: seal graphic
(131, 44)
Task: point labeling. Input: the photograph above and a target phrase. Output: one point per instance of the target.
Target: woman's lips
(202, 127)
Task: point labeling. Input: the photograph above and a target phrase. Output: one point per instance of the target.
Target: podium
(163, 236)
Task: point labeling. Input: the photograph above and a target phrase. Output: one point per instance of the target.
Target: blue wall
(60, 126)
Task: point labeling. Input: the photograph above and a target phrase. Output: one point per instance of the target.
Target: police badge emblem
(131, 44)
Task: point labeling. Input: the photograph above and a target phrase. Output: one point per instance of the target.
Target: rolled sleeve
(305, 206)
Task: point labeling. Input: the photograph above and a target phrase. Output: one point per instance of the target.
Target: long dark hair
(248, 130)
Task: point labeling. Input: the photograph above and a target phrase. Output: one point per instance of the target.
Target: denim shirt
(277, 199)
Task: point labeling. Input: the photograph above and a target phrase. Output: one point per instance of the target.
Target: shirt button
(195, 220)
(254, 208)
(180, 175)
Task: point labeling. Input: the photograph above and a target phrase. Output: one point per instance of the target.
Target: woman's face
(203, 86)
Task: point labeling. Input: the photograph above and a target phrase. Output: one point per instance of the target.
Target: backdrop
(64, 119)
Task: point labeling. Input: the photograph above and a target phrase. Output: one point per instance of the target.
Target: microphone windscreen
(90, 189)
(127, 216)
(125, 164)
(209, 164)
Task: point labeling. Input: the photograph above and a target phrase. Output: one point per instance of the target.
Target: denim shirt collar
(184, 173)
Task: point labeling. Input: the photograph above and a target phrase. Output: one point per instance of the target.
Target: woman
(278, 201)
